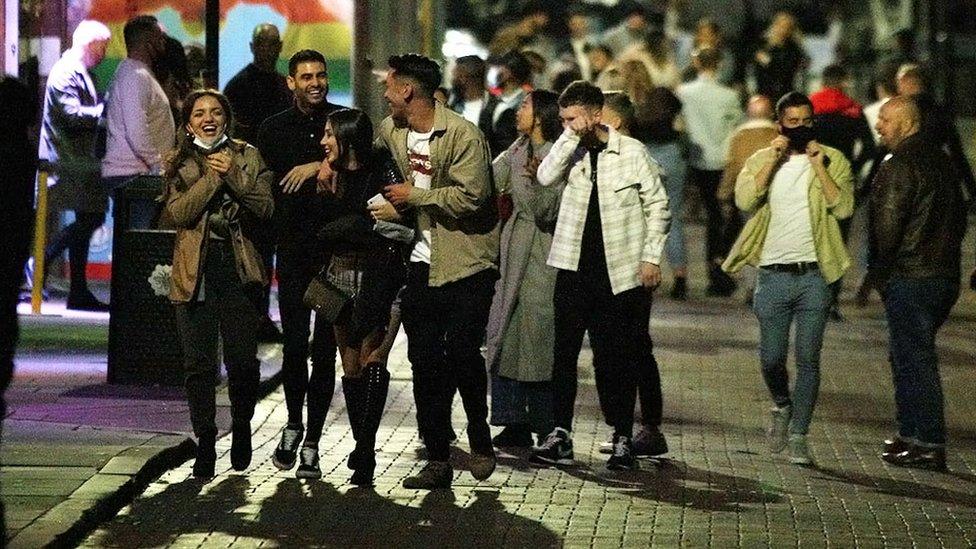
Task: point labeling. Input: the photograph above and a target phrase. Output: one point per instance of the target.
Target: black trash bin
(143, 346)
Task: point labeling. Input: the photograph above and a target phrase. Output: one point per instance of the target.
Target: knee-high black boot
(354, 389)
(243, 392)
(375, 385)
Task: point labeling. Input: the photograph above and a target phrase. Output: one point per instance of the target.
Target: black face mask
(799, 137)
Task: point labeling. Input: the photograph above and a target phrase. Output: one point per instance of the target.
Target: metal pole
(212, 22)
(40, 243)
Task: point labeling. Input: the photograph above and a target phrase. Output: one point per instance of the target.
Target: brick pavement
(719, 487)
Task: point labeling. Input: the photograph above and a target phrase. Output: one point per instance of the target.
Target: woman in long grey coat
(520, 325)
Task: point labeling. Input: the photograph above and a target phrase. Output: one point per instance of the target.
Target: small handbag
(329, 302)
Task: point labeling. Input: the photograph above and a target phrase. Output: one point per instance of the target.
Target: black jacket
(918, 217)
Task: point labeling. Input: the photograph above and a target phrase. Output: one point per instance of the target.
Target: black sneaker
(86, 301)
(622, 458)
(513, 436)
(308, 467)
(649, 443)
(287, 450)
(205, 463)
(434, 475)
(557, 449)
(679, 291)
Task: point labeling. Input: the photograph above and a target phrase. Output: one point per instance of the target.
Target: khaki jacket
(832, 256)
(459, 209)
(189, 196)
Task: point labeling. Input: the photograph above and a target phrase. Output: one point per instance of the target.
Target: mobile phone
(376, 200)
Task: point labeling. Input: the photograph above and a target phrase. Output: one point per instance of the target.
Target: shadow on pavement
(677, 483)
(316, 514)
(906, 489)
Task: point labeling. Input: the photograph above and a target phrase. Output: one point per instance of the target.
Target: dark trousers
(445, 328)
(76, 238)
(916, 308)
(648, 391)
(721, 231)
(617, 326)
(295, 271)
(228, 314)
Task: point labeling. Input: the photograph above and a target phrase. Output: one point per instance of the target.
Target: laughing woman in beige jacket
(218, 195)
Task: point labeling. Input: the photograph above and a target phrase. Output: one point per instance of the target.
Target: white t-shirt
(472, 110)
(418, 149)
(790, 235)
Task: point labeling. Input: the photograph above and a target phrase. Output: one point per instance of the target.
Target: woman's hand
(220, 162)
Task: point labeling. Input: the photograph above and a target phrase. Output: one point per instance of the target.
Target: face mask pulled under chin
(208, 147)
(799, 137)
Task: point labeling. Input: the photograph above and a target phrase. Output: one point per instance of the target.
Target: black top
(288, 139)
(255, 95)
(593, 261)
(777, 78)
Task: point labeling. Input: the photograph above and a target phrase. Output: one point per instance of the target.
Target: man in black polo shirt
(289, 142)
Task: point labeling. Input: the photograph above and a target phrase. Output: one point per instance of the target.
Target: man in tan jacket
(453, 261)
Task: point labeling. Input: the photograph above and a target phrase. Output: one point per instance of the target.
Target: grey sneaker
(434, 475)
(800, 450)
(778, 430)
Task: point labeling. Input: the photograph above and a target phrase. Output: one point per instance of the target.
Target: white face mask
(207, 147)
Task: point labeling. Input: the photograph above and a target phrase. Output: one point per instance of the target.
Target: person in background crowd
(368, 267)
(884, 89)
(257, 92)
(452, 267)
(528, 31)
(620, 114)
(751, 136)
(600, 57)
(711, 113)
(470, 99)
(580, 40)
(290, 143)
(796, 190)
(918, 219)
(173, 74)
(18, 112)
(937, 125)
(519, 336)
(736, 20)
(655, 52)
(780, 59)
(631, 30)
(218, 192)
(69, 130)
(708, 34)
(139, 116)
(839, 122)
(610, 233)
(514, 79)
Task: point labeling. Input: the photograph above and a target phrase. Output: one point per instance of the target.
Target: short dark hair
(518, 64)
(474, 64)
(708, 58)
(620, 103)
(581, 93)
(834, 75)
(305, 56)
(792, 99)
(353, 131)
(545, 108)
(424, 71)
(137, 29)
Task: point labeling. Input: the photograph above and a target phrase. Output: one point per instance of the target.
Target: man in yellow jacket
(796, 190)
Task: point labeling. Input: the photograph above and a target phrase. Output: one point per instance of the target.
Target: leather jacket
(918, 217)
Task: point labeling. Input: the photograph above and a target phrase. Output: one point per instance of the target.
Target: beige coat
(189, 194)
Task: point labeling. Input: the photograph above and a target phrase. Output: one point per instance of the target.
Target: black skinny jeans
(445, 328)
(617, 325)
(76, 238)
(296, 268)
(227, 313)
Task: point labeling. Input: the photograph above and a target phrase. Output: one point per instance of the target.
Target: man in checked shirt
(613, 221)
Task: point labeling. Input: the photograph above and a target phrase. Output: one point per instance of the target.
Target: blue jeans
(668, 155)
(916, 308)
(780, 299)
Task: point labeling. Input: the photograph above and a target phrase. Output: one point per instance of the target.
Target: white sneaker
(778, 431)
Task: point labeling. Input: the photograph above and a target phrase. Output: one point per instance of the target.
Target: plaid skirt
(346, 272)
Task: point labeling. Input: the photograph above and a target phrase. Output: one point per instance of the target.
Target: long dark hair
(184, 145)
(545, 109)
(353, 131)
